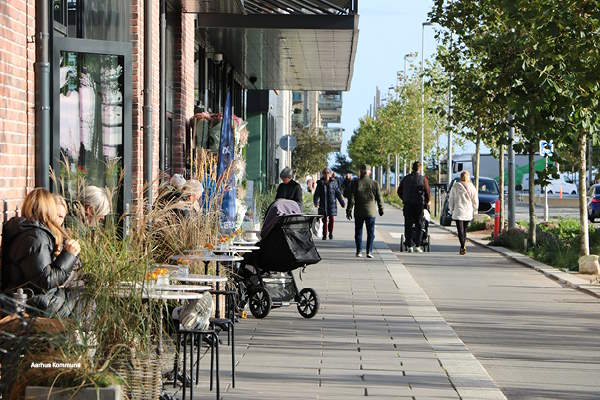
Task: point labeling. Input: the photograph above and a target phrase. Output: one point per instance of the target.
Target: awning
(286, 44)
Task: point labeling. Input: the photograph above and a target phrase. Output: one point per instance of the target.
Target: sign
(546, 148)
(288, 140)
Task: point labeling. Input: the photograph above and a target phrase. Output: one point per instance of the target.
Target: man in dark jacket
(365, 198)
(415, 193)
(347, 185)
(289, 189)
(326, 194)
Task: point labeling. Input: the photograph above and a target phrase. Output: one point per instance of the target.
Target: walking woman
(326, 194)
(463, 203)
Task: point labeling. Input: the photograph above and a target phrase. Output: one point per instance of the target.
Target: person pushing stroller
(415, 193)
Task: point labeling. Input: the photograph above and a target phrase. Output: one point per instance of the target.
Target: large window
(92, 114)
(91, 118)
(92, 19)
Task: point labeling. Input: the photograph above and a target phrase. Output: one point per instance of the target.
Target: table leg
(206, 267)
(218, 287)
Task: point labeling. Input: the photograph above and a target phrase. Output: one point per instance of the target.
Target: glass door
(91, 140)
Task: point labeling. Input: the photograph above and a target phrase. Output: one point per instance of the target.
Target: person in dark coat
(289, 189)
(347, 186)
(34, 258)
(415, 193)
(326, 194)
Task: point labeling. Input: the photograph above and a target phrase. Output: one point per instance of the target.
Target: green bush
(392, 198)
(557, 242)
(477, 226)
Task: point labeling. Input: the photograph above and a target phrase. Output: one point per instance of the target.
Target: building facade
(126, 77)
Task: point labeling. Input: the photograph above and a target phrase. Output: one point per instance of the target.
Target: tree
(312, 151)
(342, 164)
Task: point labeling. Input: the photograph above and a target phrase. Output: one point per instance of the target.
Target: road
(536, 339)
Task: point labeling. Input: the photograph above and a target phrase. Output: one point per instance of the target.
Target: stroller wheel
(401, 243)
(308, 303)
(260, 303)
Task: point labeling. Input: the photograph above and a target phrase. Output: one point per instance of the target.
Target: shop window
(91, 118)
(92, 115)
(94, 19)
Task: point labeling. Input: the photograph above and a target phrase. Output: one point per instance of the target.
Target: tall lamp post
(423, 25)
(406, 56)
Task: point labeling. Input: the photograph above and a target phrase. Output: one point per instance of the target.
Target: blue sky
(389, 29)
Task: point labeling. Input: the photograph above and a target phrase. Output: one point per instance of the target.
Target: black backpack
(413, 190)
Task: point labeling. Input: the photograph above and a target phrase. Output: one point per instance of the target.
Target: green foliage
(312, 151)
(396, 129)
(342, 164)
(557, 242)
(477, 226)
(392, 198)
(535, 59)
(264, 200)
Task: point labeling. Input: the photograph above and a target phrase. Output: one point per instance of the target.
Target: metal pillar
(163, 85)
(396, 172)
(511, 176)
(148, 101)
(42, 94)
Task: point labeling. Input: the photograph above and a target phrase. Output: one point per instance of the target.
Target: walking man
(365, 198)
(414, 192)
(325, 197)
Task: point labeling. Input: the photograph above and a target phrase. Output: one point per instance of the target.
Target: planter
(46, 393)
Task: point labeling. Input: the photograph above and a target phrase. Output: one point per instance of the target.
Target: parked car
(489, 192)
(554, 186)
(594, 202)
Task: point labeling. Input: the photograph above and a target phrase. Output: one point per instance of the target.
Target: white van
(554, 186)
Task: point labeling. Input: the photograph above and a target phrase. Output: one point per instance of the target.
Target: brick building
(199, 51)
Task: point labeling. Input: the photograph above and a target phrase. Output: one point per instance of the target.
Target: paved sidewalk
(376, 335)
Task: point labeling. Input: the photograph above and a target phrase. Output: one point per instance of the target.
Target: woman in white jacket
(463, 203)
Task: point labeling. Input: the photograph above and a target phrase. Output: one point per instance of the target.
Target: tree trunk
(501, 184)
(584, 245)
(476, 163)
(532, 238)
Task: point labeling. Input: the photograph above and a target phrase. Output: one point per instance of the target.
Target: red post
(497, 213)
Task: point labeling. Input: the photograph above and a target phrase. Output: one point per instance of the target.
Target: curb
(564, 278)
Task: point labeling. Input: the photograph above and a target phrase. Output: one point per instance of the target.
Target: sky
(388, 29)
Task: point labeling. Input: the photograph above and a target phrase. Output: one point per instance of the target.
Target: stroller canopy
(276, 211)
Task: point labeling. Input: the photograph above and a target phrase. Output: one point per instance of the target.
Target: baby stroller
(426, 238)
(264, 280)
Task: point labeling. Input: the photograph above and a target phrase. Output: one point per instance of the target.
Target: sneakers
(369, 255)
(462, 251)
(411, 249)
(331, 236)
(359, 254)
(418, 249)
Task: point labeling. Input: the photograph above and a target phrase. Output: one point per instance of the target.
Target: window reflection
(91, 116)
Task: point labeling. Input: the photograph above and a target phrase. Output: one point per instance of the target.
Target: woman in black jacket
(326, 194)
(33, 256)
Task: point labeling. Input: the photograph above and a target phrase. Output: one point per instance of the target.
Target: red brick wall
(184, 88)
(137, 39)
(17, 114)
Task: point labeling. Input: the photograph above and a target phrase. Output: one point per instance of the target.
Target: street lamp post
(406, 56)
(423, 25)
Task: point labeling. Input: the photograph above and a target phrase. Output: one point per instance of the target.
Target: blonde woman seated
(35, 258)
